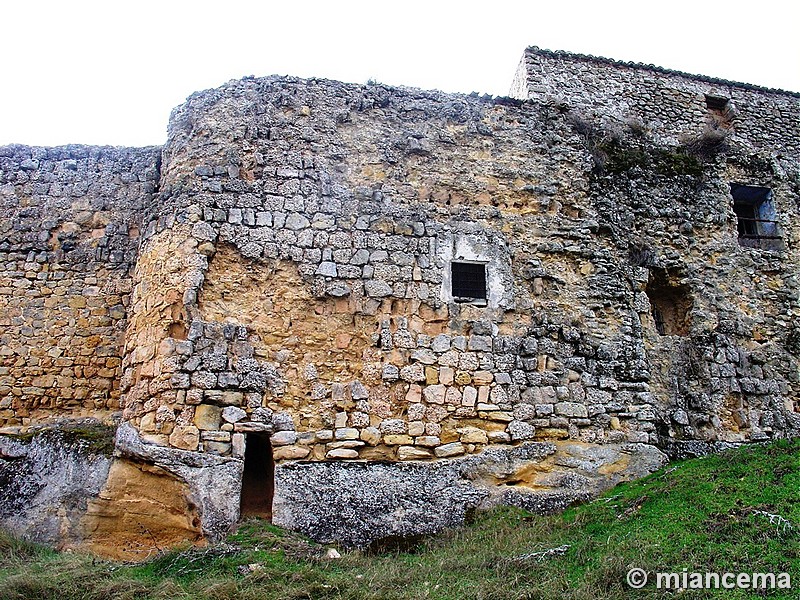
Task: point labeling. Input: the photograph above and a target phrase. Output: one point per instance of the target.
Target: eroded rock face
(141, 510)
(359, 503)
(47, 480)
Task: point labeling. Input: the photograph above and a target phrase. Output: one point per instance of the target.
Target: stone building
(365, 310)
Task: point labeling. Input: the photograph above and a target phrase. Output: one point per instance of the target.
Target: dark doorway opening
(258, 479)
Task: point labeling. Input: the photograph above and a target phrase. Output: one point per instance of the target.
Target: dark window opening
(756, 218)
(468, 281)
(717, 103)
(670, 303)
(258, 478)
(720, 112)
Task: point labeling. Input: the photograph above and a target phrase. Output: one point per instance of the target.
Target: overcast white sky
(109, 72)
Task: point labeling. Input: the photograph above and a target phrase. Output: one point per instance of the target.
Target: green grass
(709, 514)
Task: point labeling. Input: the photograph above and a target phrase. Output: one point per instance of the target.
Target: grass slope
(709, 514)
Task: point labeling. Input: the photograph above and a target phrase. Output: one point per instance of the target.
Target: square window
(468, 281)
(756, 219)
(716, 103)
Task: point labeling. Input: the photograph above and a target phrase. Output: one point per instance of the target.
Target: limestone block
(283, 438)
(499, 437)
(428, 441)
(238, 445)
(469, 396)
(524, 412)
(413, 453)
(446, 375)
(393, 426)
(371, 435)
(472, 435)
(346, 433)
(345, 444)
(221, 448)
(416, 428)
(283, 421)
(233, 414)
(397, 439)
(414, 393)
(342, 453)
(252, 427)
(207, 417)
(290, 452)
(185, 437)
(440, 343)
(324, 435)
(451, 449)
(520, 430)
(571, 409)
(204, 379)
(480, 343)
(453, 396)
(431, 375)
(377, 289)
(435, 394)
(482, 377)
(415, 412)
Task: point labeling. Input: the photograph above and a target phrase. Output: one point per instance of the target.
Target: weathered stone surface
(185, 437)
(208, 417)
(200, 472)
(35, 478)
(290, 453)
(451, 449)
(283, 438)
(368, 502)
(233, 414)
(413, 453)
(342, 453)
(622, 303)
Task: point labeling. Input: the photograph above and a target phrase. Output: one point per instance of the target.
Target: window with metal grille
(468, 281)
(756, 218)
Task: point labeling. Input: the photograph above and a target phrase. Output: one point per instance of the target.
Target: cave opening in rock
(258, 478)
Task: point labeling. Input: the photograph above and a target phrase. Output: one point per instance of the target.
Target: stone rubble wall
(669, 103)
(286, 273)
(69, 227)
(306, 227)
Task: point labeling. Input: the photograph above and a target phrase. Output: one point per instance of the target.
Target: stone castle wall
(69, 228)
(669, 104)
(287, 272)
(319, 221)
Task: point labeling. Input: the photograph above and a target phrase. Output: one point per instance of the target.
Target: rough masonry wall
(69, 229)
(669, 104)
(309, 227)
(293, 281)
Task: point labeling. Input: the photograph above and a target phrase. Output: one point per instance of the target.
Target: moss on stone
(615, 157)
(95, 438)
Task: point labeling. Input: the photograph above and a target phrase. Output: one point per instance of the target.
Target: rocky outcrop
(49, 476)
(363, 503)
